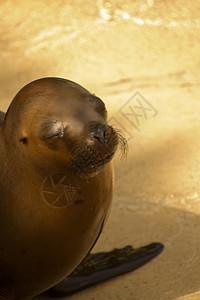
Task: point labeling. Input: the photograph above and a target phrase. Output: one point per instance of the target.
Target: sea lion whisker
(122, 142)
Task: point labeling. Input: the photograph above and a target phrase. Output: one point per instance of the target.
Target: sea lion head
(56, 123)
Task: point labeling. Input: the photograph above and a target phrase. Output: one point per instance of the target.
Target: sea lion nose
(99, 133)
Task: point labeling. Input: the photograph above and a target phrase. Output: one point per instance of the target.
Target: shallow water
(132, 55)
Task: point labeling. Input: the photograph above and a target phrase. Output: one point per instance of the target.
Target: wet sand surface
(132, 55)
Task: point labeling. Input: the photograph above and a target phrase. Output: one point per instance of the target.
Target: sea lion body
(41, 243)
(2, 115)
(56, 187)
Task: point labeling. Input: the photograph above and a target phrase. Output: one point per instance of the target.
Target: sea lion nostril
(99, 132)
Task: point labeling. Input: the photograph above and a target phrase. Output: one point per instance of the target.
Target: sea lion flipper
(99, 267)
(7, 294)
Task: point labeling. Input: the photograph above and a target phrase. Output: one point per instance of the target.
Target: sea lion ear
(23, 140)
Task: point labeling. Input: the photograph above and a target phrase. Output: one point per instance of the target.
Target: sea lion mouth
(89, 161)
(90, 158)
(107, 158)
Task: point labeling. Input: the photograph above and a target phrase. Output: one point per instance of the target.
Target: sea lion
(56, 187)
(2, 115)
